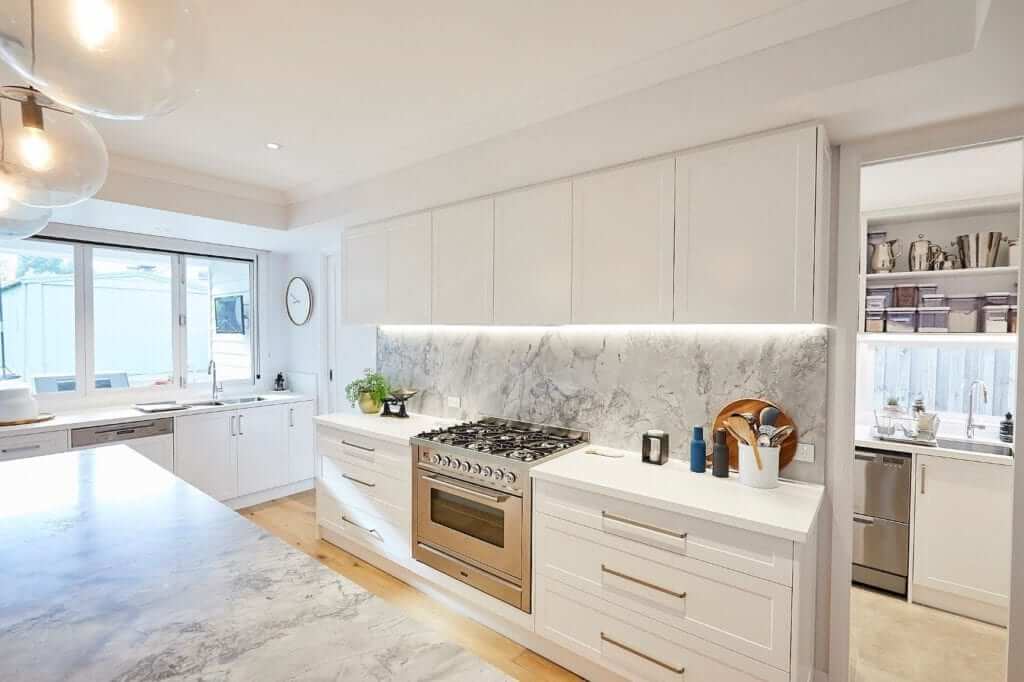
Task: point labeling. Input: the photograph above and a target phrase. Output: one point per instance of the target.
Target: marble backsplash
(616, 382)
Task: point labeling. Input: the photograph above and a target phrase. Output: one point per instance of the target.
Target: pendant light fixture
(49, 156)
(18, 221)
(119, 59)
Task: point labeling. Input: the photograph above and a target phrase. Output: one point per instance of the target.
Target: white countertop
(788, 511)
(122, 414)
(864, 439)
(390, 429)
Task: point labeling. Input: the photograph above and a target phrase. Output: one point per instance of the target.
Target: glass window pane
(219, 307)
(132, 318)
(37, 314)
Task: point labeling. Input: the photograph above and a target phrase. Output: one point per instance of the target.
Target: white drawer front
(33, 445)
(364, 488)
(741, 550)
(385, 457)
(381, 534)
(749, 615)
(633, 646)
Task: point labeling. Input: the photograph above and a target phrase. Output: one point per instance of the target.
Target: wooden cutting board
(788, 450)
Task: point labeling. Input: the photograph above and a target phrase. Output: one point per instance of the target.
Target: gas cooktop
(515, 440)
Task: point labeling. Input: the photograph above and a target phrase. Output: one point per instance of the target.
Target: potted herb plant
(369, 391)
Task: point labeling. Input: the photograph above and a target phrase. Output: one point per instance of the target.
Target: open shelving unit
(1009, 271)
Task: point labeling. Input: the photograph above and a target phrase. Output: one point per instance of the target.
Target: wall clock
(299, 301)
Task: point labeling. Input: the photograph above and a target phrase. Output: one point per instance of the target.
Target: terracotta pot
(368, 404)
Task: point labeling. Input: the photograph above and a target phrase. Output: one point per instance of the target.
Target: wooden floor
(293, 520)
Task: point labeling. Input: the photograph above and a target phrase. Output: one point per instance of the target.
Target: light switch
(454, 401)
(804, 452)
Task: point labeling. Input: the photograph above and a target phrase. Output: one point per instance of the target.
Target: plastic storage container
(927, 289)
(933, 320)
(901, 320)
(882, 291)
(933, 300)
(874, 321)
(996, 319)
(964, 314)
(904, 296)
(998, 298)
(877, 302)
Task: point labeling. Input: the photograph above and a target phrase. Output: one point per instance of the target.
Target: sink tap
(212, 370)
(971, 426)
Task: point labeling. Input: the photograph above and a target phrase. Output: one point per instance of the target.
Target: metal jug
(883, 258)
(920, 254)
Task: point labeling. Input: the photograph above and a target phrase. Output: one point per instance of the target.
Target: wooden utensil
(740, 426)
(781, 435)
(787, 449)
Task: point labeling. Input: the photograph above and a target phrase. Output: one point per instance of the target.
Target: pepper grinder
(720, 454)
(698, 451)
(650, 437)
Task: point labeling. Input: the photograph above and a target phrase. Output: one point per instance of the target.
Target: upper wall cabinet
(622, 245)
(533, 255)
(387, 271)
(463, 257)
(747, 230)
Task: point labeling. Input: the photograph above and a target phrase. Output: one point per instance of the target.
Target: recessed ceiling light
(273, 145)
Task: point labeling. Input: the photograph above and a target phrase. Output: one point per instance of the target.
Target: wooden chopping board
(788, 449)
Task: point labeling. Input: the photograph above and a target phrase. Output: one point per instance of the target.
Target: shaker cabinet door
(745, 230)
(262, 448)
(364, 275)
(408, 270)
(622, 238)
(205, 454)
(463, 263)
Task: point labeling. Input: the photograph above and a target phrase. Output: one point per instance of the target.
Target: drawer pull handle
(650, 659)
(371, 531)
(23, 448)
(356, 480)
(357, 447)
(678, 595)
(646, 526)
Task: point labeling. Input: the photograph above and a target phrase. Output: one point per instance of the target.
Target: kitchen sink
(239, 401)
(983, 447)
(203, 403)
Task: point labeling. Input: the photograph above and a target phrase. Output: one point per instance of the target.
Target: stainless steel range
(471, 498)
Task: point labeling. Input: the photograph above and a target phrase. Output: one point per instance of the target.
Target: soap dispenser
(1006, 429)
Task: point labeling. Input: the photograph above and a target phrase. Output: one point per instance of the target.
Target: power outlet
(804, 453)
(454, 401)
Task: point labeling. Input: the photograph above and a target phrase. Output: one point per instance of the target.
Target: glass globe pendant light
(120, 59)
(18, 221)
(49, 156)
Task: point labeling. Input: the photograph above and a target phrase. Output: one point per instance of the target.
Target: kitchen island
(114, 569)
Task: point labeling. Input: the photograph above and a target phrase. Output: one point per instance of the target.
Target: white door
(301, 442)
(365, 274)
(204, 453)
(962, 529)
(463, 263)
(622, 236)
(533, 255)
(745, 230)
(158, 449)
(409, 261)
(262, 448)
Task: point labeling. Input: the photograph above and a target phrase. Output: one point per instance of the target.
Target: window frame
(85, 339)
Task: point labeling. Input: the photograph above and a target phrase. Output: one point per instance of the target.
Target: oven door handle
(440, 482)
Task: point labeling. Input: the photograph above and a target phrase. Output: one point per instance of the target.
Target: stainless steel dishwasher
(153, 438)
(881, 518)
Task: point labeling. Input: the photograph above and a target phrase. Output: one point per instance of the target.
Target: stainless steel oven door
(481, 525)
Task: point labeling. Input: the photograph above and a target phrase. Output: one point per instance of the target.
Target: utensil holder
(765, 477)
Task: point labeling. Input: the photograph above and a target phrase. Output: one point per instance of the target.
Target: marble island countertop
(788, 511)
(390, 429)
(114, 569)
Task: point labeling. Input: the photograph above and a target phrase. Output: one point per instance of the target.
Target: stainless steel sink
(203, 403)
(975, 446)
(239, 401)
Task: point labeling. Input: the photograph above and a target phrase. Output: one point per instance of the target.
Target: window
(219, 315)
(133, 320)
(37, 314)
(942, 375)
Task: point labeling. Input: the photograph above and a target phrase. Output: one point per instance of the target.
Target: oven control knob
(455, 463)
(446, 461)
(435, 458)
(466, 466)
(476, 469)
(510, 478)
(499, 474)
(486, 472)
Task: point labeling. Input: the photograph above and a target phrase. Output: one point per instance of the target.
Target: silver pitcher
(980, 249)
(883, 258)
(919, 256)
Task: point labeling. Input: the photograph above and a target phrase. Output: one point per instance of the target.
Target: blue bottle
(698, 451)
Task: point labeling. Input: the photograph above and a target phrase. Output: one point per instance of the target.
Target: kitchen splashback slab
(616, 381)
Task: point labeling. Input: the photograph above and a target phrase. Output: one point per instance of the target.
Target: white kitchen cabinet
(463, 263)
(533, 255)
(364, 276)
(301, 442)
(622, 244)
(962, 536)
(157, 449)
(408, 269)
(33, 445)
(206, 454)
(262, 444)
(747, 229)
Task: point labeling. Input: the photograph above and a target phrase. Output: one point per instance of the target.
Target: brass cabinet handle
(678, 595)
(646, 526)
(371, 531)
(358, 447)
(356, 480)
(650, 659)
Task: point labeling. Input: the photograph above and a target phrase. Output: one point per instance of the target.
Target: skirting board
(513, 631)
(268, 495)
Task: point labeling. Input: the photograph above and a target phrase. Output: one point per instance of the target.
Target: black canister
(657, 454)
(720, 455)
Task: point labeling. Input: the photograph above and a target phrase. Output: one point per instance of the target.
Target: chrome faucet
(971, 426)
(212, 369)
